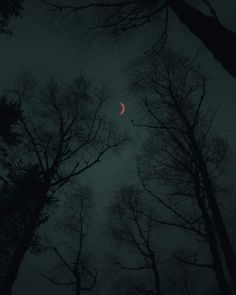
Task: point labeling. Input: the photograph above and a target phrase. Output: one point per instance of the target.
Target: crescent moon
(123, 108)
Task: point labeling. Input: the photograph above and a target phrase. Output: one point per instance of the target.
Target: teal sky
(45, 51)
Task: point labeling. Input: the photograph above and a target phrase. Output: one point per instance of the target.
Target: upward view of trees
(132, 224)
(167, 229)
(185, 157)
(66, 136)
(76, 258)
(120, 16)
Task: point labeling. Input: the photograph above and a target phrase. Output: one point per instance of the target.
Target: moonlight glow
(123, 108)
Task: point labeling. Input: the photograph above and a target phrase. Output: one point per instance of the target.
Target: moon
(123, 108)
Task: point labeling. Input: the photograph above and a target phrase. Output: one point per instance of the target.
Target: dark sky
(42, 49)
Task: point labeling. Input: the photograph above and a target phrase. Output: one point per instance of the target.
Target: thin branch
(90, 5)
(175, 212)
(58, 254)
(212, 10)
(205, 265)
(55, 282)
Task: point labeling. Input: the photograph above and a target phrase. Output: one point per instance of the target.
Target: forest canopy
(97, 201)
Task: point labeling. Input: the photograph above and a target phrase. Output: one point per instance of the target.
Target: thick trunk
(226, 245)
(215, 253)
(18, 256)
(212, 242)
(219, 225)
(217, 38)
(78, 287)
(77, 290)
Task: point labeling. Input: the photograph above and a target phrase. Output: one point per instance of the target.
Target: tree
(66, 136)
(8, 10)
(185, 157)
(131, 225)
(75, 258)
(18, 199)
(10, 114)
(11, 182)
(120, 16)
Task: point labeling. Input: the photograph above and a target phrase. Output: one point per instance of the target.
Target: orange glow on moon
(123, 108)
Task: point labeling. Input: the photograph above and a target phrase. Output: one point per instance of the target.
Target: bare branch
(204, 265)
(56, 282)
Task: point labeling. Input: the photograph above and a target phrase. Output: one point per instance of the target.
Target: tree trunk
(219, 225)
(212, 241)
(217, 38)
(220, 228)
(156, 275)
(22, 248)
(78, 287)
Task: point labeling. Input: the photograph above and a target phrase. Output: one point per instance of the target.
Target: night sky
(40, 46)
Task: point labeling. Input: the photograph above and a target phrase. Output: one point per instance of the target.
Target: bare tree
(120, 16)
(65, 134)
(131, 227)
(75, 258)
(185, 157)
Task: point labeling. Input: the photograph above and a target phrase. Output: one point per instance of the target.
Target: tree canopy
(9, 9)
(120, 16)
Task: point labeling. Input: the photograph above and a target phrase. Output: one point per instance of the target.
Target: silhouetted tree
(183, 154)
(18, 199)
(10, 114)
(120, 16)
(131, 225)
(66, 135)
(8, 10)
(78, 267)
(11, 223)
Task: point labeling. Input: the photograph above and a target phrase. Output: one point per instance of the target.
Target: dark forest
(117, 147)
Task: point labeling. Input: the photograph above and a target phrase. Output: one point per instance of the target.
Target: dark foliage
(8, 10)
(9, 114)
(18, 199)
